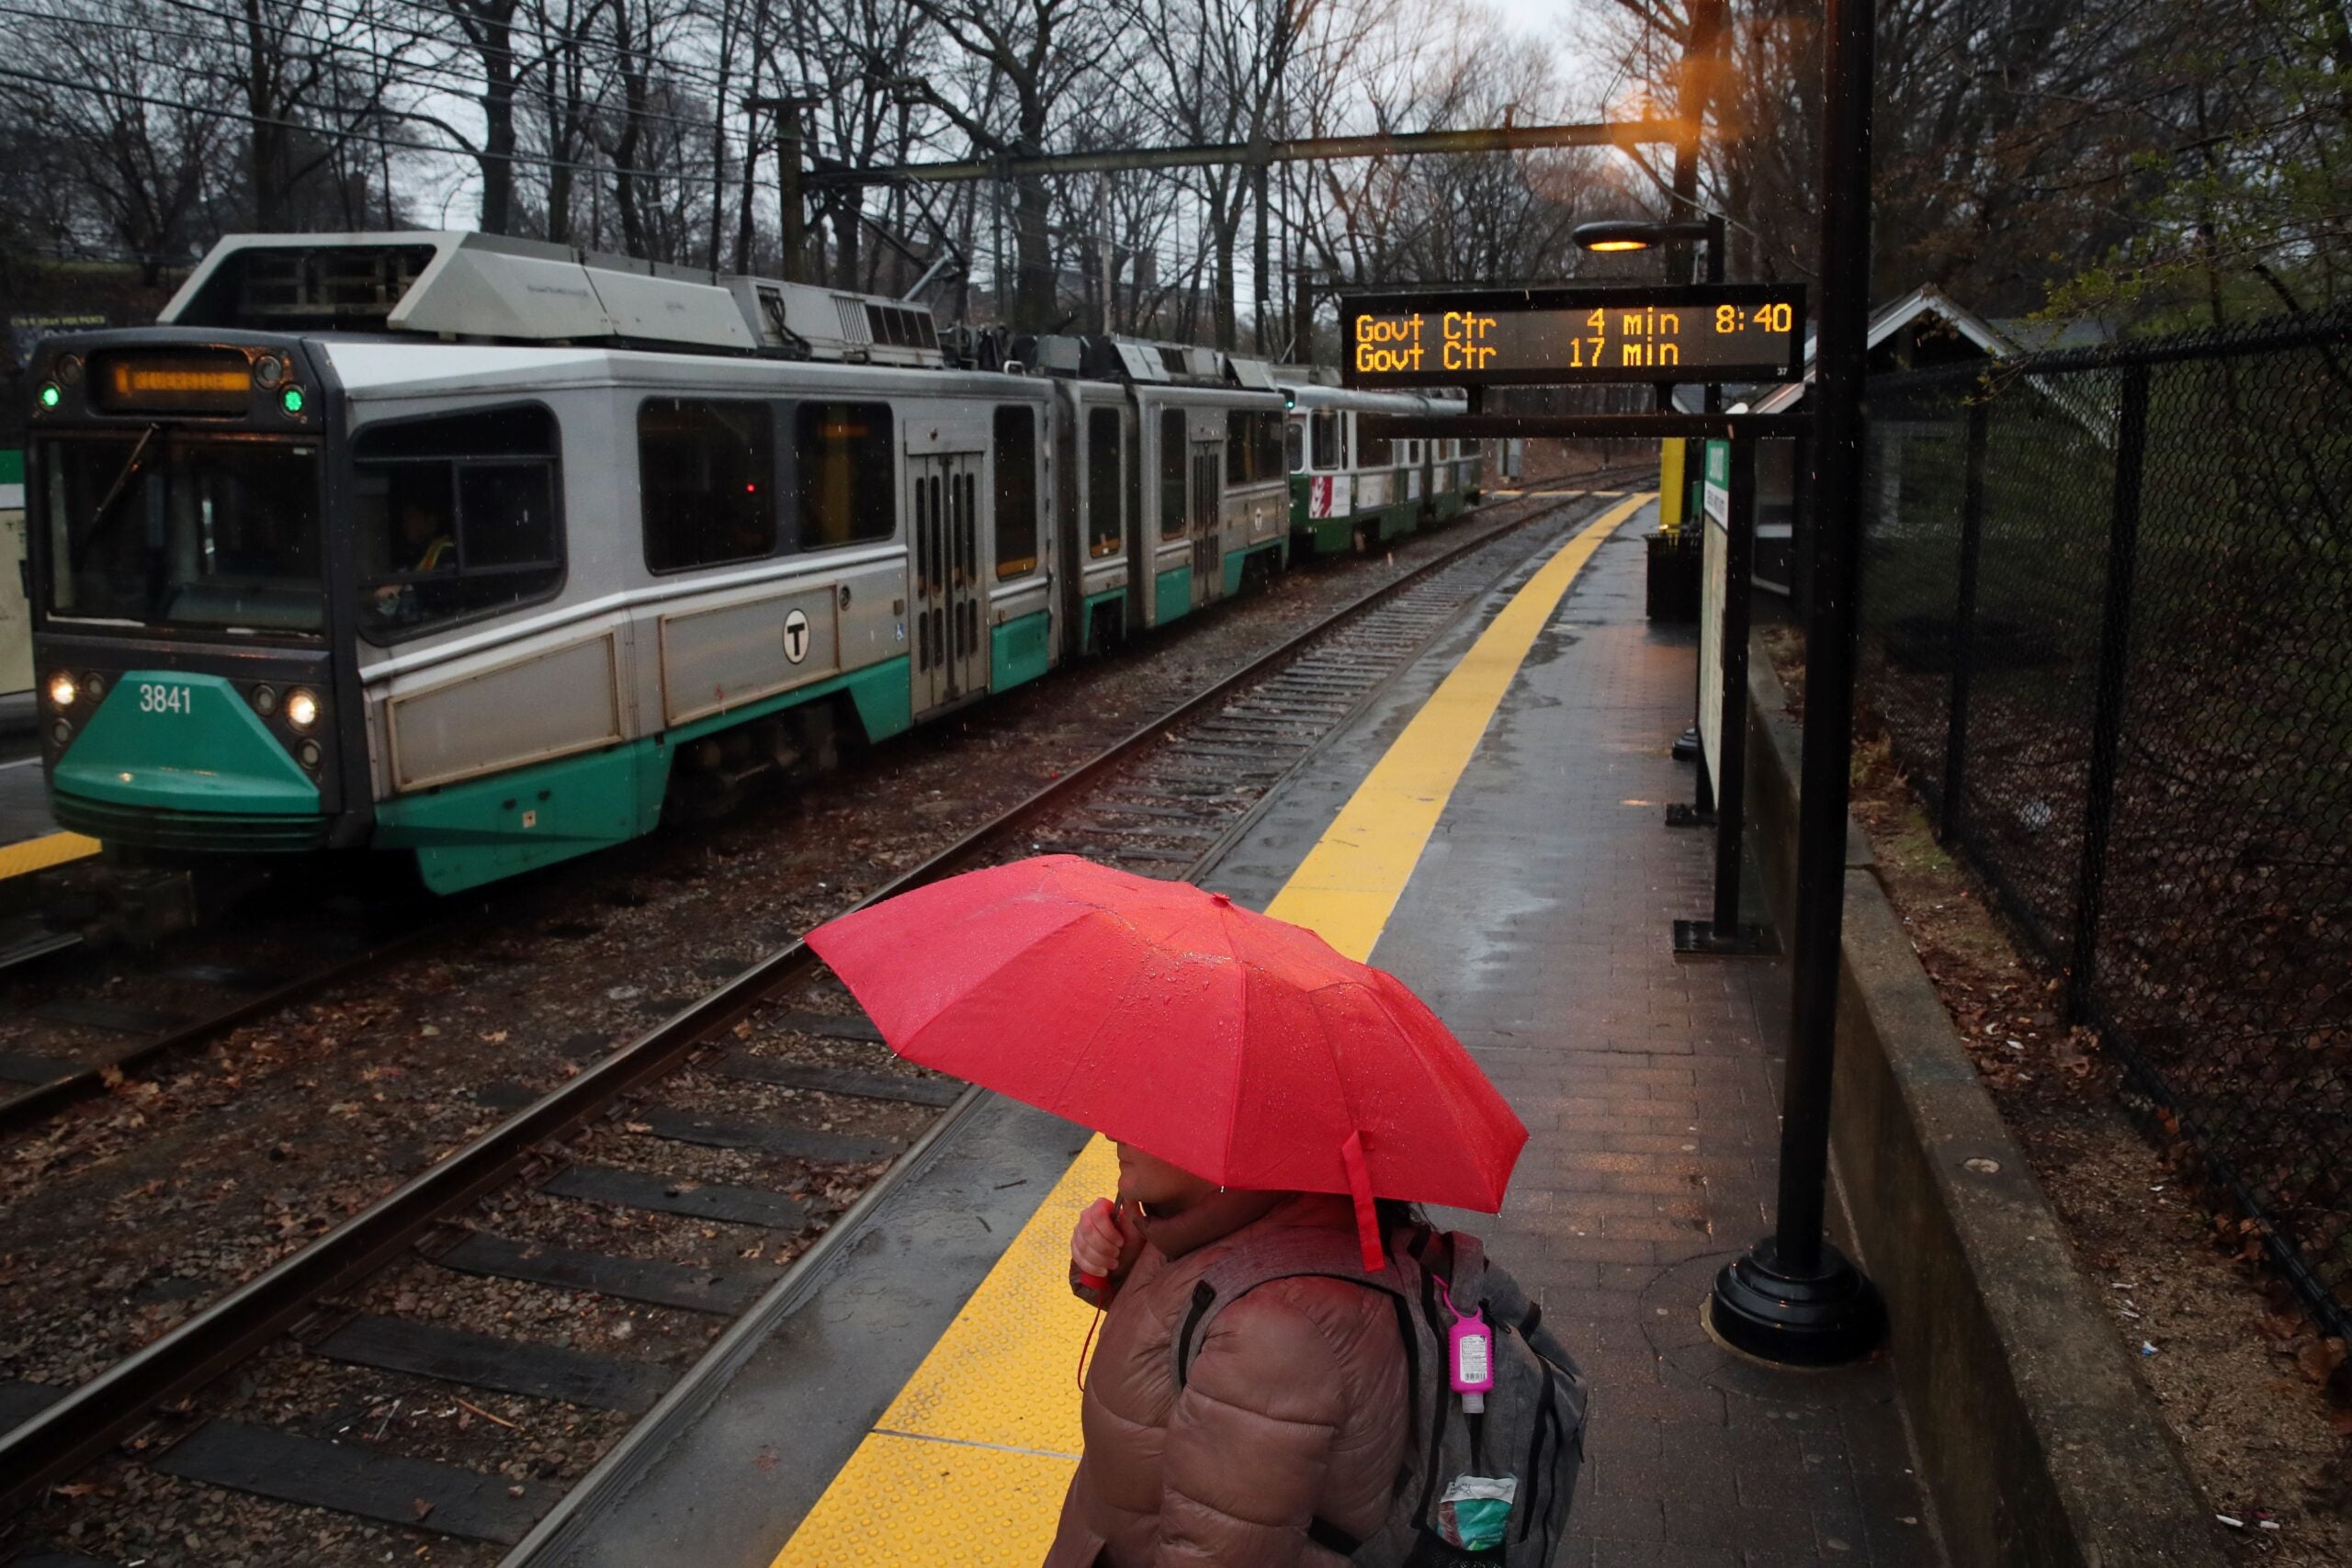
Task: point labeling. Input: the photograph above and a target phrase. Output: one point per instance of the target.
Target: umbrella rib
(1079, 1056)
(1461, 1133)
(999, 967)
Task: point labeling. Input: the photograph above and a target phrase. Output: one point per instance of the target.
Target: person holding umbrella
(1290, 1429)
(1277, 1108)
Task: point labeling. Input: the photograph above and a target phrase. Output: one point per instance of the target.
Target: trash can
(1674, 575)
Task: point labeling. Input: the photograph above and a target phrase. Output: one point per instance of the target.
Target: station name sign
(1521, 337)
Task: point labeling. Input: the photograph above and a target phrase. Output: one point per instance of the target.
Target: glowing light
(1619, 245)
(62, 691)
(293, 398)
(302, 709)
(50, 395)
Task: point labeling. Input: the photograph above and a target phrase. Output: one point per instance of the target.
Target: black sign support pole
(1793, 1297)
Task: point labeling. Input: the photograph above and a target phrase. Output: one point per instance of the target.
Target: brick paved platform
(1539, 924)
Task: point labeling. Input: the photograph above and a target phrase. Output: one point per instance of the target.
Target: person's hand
(1105, 1243)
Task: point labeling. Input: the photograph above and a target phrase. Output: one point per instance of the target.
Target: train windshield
(157, 528)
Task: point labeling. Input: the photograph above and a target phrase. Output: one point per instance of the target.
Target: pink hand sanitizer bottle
(1469, 1357)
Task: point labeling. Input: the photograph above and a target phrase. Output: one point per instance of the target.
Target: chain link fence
(2108, 624)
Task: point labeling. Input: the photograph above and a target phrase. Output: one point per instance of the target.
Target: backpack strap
(1465, 1284)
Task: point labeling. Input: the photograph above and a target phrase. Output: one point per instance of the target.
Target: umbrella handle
(1095, 1282)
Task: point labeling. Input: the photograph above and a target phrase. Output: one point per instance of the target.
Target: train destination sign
(1510, 337)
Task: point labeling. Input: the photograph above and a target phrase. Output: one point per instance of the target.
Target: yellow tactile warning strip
(39, 855)
(1352, 879)
(970, 1461)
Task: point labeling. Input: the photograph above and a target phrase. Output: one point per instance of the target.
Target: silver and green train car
(490, 553)
(1350, 488)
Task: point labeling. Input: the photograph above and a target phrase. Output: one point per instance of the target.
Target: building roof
(1923, 303)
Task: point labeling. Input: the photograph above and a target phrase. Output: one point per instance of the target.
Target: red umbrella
(1241, 1048)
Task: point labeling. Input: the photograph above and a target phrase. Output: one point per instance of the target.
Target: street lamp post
(1793, 1297)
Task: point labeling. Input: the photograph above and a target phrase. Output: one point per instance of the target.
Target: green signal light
(293, 398)
(50, 395)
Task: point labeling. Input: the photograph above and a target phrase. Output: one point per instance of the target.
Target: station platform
(1491, 830)
(30, 840)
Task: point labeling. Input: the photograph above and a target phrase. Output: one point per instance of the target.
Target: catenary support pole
(1793, 1297)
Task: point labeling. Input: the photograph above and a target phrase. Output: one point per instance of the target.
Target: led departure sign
(1503, 337)
(203, 380)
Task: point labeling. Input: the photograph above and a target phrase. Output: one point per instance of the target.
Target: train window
(1102, 530)
(1173, 443)
(1253, 447)
(1016, 491)
(455, 516)
(179, 530)
(847, 479)
(1295, 445)
(707, 475)
(1375, 451)
(1327, 439)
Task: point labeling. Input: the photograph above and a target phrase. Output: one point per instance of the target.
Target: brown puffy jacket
(1293, 1409)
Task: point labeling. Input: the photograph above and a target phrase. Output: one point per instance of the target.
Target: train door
(1206, 522)
(950, 657)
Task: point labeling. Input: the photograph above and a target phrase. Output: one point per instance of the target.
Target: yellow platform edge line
(1348, 883)
(965, 1460)
(39, 855)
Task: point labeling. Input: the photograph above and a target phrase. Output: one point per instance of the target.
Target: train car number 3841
(154, 698)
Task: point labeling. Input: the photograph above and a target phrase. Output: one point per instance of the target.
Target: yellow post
(1670, 488)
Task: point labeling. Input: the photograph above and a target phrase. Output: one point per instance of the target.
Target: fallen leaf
(422, 1508)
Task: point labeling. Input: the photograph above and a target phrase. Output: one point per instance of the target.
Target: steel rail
(62, 1439)
(40, 1099)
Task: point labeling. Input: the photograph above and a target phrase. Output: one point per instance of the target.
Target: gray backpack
(1487, 1490)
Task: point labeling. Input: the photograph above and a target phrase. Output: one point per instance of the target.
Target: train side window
(455, 516)
(1017, 490)
(1376, 451)
(1253, 447)
(1102, 530)
(1175, 445)
(707, 480)
(1327, 439)
(842, 456)
(1295, 445)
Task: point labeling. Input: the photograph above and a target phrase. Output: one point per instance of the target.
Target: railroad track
(777, 1038)
(97, 1017)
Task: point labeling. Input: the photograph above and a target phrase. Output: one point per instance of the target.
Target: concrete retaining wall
(2039, 1445)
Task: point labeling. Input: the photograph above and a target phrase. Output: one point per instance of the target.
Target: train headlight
(62, 691)
(69, 369)
(265, 700)
(302, 708)
(268, 371)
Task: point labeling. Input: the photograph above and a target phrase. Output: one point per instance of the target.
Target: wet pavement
(1539, 924)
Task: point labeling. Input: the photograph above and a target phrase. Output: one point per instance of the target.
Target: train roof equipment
(489, 287)
(1109, 358)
